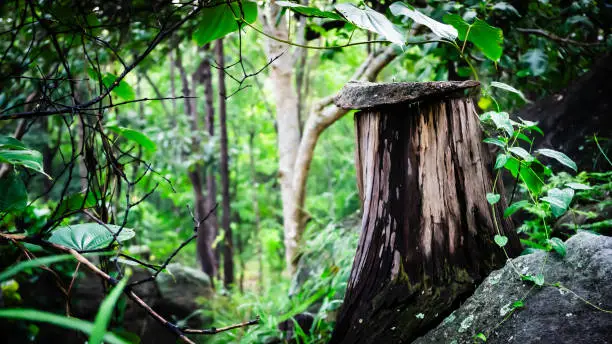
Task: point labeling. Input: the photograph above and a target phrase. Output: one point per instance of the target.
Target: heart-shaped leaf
(501, 240)
(558, 246)
(89, 236)
(560, 157)
(493, 198)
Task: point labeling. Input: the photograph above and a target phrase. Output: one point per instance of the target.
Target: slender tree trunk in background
(255, 201)
(205, 254)
(427, 230)
(228, 257)
(211, 181)
(173, 90)
(287, 119)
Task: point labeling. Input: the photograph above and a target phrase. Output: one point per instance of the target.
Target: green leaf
(514, 207)
(439, 29)
(501, 160)
(33, 263)
(578, 186)
(106, 312)
(493, 198)
(501, 240)
(88, 236)
(481, 336)
(14, 196)
(220, 20)
(57, 320)
(13, 152)
(371, 20)
(523, 137)
(494, 141)
(522, 153)
(134, 136)
(308, 11)
(539, 280)
(560, 157)
(122, 90)
(509, 88)
(559, 200)
(533, 181)
(502, 121)
(518, 304)
(485, 37)
(558, 245)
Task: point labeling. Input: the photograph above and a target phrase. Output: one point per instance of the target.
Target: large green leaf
(371, 20)
(13, 194)
(560, 157)
(309, 11)
(134, 136)
(501, 121)
(514, 207)
(57, 320)
(559, 200)
(122, 90)
(13, 152)
(106, 312)
(222, 19)
(485, 37)
(441, 30)
(533, 181)
(88, 236)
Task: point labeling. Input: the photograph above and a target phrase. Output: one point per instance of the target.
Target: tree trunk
(211, 181)
(205, 255)
(228, 257)
(286, 98)
(427, 229)
(255, 201)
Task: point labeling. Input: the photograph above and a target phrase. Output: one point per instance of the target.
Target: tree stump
(427, 229)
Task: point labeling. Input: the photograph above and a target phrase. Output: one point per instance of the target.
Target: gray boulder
(550, 314)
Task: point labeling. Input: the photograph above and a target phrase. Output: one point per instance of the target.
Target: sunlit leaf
(441, 30)
(494, 141)
(122, 90)
(559, 200)
(578, 186)
(308, 11)
(522, 153)
(501, 160)
(560, 157)
(371, 20)
(134, 136)
(537, 61)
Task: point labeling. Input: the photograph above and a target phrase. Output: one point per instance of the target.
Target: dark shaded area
(569, 118)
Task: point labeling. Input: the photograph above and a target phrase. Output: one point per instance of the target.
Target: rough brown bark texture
(427, 229)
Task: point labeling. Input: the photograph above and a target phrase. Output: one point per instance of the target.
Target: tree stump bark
(427, 229)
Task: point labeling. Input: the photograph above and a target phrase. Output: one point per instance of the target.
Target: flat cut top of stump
(359, 95)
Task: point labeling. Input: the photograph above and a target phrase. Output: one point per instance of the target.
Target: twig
(556, 38)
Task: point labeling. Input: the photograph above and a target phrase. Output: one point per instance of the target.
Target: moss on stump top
(358, 95)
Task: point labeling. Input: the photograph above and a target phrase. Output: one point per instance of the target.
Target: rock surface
(359, 95)
(550, 314)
